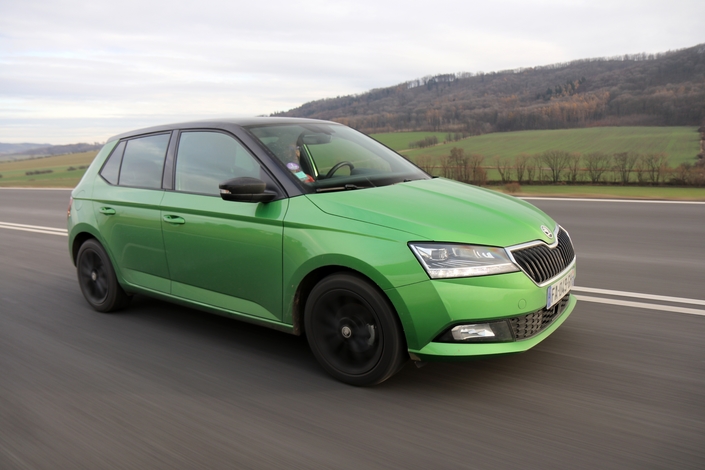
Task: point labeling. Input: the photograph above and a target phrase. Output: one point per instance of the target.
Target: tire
(353, 331)
(97, 279)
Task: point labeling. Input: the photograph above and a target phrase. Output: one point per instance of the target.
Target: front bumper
(429, 308)
(463, 351)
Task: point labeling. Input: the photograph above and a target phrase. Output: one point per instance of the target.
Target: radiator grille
(541, 263)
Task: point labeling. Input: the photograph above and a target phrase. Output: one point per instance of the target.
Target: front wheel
(97, 279)
(353, 331)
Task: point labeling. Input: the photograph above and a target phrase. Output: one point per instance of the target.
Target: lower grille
(534, 323)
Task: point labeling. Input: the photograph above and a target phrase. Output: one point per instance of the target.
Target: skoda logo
(546, 231)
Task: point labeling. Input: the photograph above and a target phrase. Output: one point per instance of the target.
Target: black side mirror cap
(246, 189)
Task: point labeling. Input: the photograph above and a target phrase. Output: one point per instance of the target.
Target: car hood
(441, 210)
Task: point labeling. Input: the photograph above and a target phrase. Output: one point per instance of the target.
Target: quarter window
(206, 159)
(111, 169)
(143, 161)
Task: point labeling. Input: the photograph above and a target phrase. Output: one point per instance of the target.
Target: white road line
(637, 201)
(37, 189)
(663, 298)
(628, 303)
(35, 228)
(591, 290)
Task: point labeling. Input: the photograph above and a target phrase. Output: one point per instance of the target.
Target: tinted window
(207, 159)
(111, 169)
(143, 161)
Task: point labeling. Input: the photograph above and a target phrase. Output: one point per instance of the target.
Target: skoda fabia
(310, 227)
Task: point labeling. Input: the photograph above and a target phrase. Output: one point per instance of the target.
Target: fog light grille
(534, 323)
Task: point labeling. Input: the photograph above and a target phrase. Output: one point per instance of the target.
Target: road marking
(590, 290)
(637, 201)
(628, 303)
(38, 189)
(678, 300)
(35, 228)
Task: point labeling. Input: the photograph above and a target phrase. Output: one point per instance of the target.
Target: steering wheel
(337, 167)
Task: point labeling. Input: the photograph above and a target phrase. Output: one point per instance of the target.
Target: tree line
(562, 167)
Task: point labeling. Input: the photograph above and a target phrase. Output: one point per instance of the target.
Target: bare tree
(556, 161)
(596, 163)
(478, 174)
(574, 167)
(426, 163)
(656, 165)
(533, 169)
(640, 170)
(520, 166)
(460, 164)
(624, 164)
(447, 170)
(504, 168)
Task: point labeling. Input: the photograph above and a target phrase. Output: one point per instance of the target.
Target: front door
(221, 253)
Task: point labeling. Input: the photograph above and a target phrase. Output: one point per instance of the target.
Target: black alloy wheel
(97, 279)
(353, 331)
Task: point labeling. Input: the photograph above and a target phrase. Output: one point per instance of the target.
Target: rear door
(221, 253)
(127, 201)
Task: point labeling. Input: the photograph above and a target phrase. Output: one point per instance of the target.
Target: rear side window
(143, 161)
(207, 159)
(111, 168)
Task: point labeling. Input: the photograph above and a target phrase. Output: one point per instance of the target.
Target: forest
(664, 89)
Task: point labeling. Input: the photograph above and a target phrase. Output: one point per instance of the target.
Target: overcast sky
(75, 71)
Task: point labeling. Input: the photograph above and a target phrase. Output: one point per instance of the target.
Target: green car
(311, 227)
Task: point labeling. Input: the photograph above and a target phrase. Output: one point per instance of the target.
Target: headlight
(448, 260)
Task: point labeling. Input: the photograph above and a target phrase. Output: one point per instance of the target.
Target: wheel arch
(79, 240)
(314, 277)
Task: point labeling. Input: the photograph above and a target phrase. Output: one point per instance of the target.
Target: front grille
(541, 263)
(533, 323)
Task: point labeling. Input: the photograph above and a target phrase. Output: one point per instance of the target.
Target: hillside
(665, 89)
(25, 151)
(18, 148)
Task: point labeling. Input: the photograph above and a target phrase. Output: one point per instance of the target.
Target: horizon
(74, 74)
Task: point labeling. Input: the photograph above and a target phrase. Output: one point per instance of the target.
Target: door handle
(107, 211)
(174, 219)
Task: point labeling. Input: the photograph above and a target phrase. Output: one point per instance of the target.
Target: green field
(681, 144)
(401, 140)
(609, 192)
(13, 173)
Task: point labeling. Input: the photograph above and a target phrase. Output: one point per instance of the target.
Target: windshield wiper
(346, 187)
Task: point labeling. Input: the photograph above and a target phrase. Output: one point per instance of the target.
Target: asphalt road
(161, 386)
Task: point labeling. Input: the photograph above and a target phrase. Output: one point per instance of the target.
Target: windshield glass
(329, 157)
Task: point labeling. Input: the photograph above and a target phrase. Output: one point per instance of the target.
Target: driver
(294, 164)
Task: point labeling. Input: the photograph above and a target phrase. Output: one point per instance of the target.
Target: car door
(221, 253)
(127, 201)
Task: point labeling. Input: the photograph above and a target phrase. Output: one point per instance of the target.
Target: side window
(143, 161)
(111, 168)
(206, 159)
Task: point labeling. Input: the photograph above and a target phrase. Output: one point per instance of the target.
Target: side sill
(283, 327)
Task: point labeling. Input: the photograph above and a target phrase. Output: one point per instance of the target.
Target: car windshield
(330, 157)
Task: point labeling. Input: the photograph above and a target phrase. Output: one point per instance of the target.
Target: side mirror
(246, 189)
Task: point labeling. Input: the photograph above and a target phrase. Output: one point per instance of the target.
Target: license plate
(559, 289)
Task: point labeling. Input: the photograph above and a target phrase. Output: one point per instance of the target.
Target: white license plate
(559, 289)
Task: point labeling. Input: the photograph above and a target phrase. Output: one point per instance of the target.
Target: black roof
(218, 123)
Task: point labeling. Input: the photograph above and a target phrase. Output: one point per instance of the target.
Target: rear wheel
(353, 331)
(97, 279)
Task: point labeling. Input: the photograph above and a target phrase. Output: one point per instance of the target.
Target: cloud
(85, 70)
